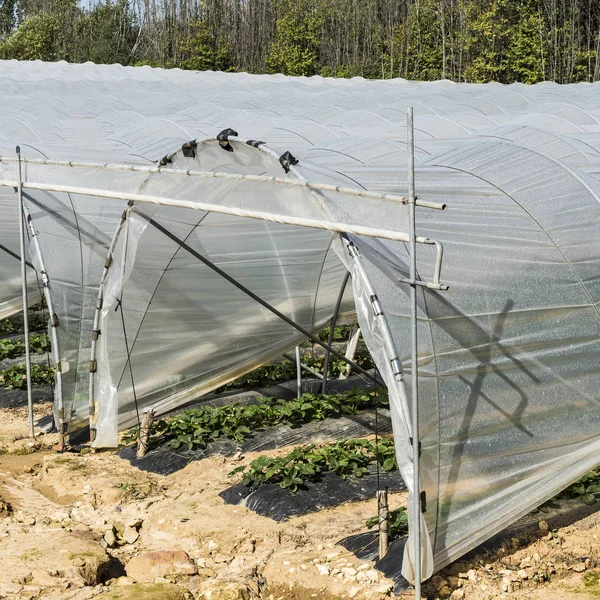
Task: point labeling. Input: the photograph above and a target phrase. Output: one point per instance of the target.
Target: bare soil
(57, 511)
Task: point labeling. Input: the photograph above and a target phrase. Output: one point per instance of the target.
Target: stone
(349, 572)
(223, 590)
(384, 588)
(372, 575)
(145, 591)
(124, 581)
(110, 538)
(364, 567)
(323, 569)
(457, 595)
(353, 591)
(130, 535)
(361, 577)
(147, 567)
(44, 579)
(543, 527)
(134, 523)
(526, 562)
(578, 568)
(522, 573)
(20, 517)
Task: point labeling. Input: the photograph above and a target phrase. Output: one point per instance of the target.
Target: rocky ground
(78, 525)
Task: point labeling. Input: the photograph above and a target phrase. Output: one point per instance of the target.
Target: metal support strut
(258, 299)
(24, 292)
(336, 312)
(414, 374)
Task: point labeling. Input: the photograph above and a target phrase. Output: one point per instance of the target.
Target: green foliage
(463, 40)
(398, 523)
(108, 31)
(35, 39)
(347, 458)
(36, 323)
(10, 348)
(340, 333)
(282, 371)
(295, 47)
(16, 376)
(7, 16)
(584, 489)
(203, 51)
(197, 427)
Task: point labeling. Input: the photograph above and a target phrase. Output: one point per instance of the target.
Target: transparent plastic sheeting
(508, 356)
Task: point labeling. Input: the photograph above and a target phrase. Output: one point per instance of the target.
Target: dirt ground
(81, 525)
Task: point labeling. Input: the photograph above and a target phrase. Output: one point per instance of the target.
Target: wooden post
(145, 428)
(383, 513)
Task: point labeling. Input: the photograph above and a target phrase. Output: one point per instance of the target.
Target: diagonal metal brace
(269, 307)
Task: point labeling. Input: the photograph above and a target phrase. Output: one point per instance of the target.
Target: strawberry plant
(10, 348)
(347, 458)
(197, 427)
(16, 376)
(286, 369)
(397, 523)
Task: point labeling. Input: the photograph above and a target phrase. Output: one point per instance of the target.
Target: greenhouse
(174, 217)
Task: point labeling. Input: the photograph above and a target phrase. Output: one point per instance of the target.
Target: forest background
(462, 40)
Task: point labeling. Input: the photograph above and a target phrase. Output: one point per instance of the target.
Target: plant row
(37, 321)
(283, 371)
(346, 458)
(38, 343)
(16, 376)
(197, 427)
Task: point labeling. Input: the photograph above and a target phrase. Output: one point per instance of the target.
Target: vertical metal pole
(24, 290)
(336, 311)
(414, 379)
(298, 373)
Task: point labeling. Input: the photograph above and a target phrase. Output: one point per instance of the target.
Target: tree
(295, 49)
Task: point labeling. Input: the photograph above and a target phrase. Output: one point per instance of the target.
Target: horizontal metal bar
(226, 210)
(426, 204)
(214, 174)
(427, 284)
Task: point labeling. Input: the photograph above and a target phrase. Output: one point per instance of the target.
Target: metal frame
(336, 312)
(53, 322)
(344, 229)
(24, 295)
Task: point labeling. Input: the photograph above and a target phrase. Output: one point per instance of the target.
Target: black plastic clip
(95, 334)
(189, 149)
(286, 160)
(118, 304)
(164, 161)
(411, 443)
(254, 143)
(93, 366)
(55, 321)
(423, 502)
(223, 138)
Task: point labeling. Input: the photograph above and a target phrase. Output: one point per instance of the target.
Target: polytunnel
(147, 192)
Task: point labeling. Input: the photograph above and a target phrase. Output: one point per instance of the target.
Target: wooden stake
(145, 427)
(383, 512)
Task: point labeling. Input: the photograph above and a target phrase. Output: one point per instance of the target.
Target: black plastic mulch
(279, 504)
(365, 546)
(165, 460)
